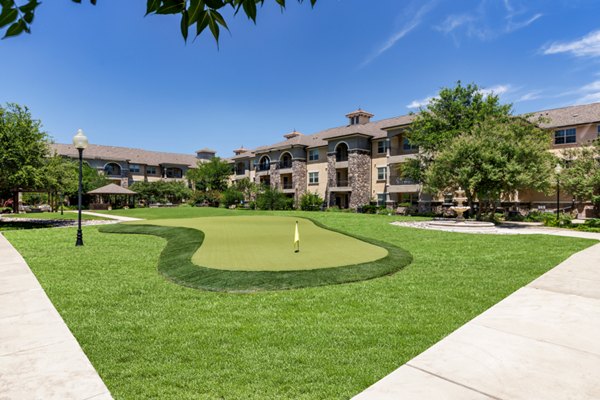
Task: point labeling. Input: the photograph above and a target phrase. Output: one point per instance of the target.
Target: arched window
(264, 164)
(286, 160)
(341, 152)
(112, 169)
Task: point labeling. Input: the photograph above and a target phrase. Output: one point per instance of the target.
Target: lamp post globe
(80, 141)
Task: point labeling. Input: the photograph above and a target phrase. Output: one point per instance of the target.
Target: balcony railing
(397, 180)
(342, 183)
(263, 167)
(287, 185)
(285, 164)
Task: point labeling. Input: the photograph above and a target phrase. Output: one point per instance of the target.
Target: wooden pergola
(111, 195)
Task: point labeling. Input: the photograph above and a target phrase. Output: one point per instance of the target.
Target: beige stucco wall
(585, 135)
(319, 166)
(377, 160)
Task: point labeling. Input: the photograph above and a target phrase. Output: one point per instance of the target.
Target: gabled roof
(111, 188)
(133, 156)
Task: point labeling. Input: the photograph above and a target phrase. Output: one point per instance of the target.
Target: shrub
(310, 202)
(232, 196)
(563, 221)
(273, 199)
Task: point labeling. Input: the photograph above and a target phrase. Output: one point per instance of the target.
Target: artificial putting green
(265, 243)
(248, 254)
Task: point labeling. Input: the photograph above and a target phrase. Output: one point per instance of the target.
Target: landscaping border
(175, 263)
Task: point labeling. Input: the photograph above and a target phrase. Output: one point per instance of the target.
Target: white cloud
(587, 46)
(421, 103)
(484, 24)
(589, 93)
(453, 22)
(533, 95)
(497, 90)
(413, 23)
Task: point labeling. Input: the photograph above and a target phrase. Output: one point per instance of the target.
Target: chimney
(239, 151)
(205, 154)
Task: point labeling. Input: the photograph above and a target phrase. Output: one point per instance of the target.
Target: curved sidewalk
(39, 357)
(541, 342)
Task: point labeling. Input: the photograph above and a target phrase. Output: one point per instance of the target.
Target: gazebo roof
(112, 189)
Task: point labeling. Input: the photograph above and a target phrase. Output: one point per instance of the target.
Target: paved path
(110, 216)
(39, 357)
(541, 342)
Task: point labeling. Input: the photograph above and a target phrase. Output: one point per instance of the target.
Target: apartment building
(124, 165)
(358, 163)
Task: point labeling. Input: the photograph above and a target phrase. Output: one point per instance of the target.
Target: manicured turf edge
(175, 264)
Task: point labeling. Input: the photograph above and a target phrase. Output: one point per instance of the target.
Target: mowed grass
(53, 215)
(265, 243)
(152, 339)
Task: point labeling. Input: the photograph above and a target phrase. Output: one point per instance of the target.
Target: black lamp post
(557, 171)
(80, 142)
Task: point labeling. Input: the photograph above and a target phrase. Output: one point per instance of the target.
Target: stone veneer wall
(359, 175)
(331, 178)
(274, 172)
(299, 179)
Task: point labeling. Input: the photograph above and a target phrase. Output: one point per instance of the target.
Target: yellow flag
(297, 239)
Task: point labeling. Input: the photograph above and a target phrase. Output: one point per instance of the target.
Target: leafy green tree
(60, 178)
(493, 159)
(311, 202)
(232, 196)
(272, 199)
(469, 139)
(23, 151)
(196, 15)
(91, 178)
(248, 188)
(161, 191)
(212, 175)
(581, 175)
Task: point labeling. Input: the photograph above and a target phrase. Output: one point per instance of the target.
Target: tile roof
(134, 156)
(111, 188)
(568, 116)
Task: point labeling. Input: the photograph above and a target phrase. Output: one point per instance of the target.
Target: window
(313, 155)
(381, 199)
(565, 136)
(173, 172)
(286, 161)
(151, 170)
(134, 168)
(382, 146)
(341, 152)
(264, 164)
(407, 146)
(313, 178)
(240, 168)
(599, 131)
(112, 169)
(381, 173)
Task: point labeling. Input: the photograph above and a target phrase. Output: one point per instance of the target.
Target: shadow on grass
(175, 263)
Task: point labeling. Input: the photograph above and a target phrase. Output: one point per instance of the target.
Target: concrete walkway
(541, 342)
(110, 216)
(39, 357)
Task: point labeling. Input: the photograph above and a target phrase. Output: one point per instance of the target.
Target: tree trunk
(15, 202)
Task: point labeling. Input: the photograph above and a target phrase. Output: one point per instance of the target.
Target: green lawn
(53, 215)
(150, 338)
(265, 243)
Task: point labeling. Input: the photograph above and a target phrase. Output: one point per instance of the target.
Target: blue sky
(130, 80)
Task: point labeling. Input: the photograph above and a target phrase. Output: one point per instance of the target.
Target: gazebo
(111, 195)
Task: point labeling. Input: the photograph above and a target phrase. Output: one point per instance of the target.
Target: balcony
(403, 157)
(403, 185)
(288, 187)
(341, 185)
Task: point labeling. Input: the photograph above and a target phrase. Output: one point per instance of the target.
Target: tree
(23, 151)
(311, 202)
(469, 139)
(60, 178)
(581, 175)
(212, 175)
(272, 199)
(197, 15)
(91, 178)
